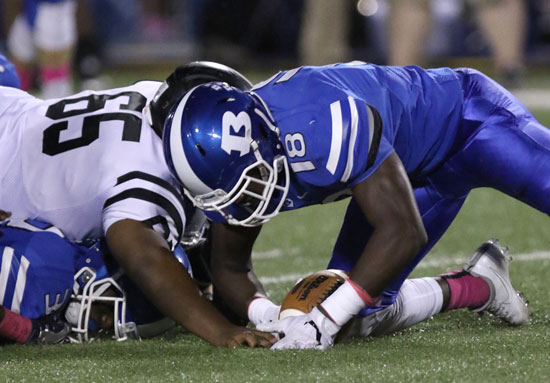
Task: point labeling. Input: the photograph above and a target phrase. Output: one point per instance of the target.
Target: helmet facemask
(253, 193)
(97, 292)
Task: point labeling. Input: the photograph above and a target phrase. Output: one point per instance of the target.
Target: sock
(466, 290)
(56, 81)
(15, 327)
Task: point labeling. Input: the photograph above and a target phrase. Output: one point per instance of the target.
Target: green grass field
(453, 347)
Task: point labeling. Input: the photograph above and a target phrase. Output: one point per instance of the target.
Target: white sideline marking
(274, 253)
(442, 262)
(282, 279)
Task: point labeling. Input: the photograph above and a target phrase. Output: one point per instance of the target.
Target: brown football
(311, 291)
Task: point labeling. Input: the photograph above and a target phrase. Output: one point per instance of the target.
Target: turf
(452, 347)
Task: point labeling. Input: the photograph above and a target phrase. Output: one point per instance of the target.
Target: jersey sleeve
(372, 146)
(147, 198)
(346, 144)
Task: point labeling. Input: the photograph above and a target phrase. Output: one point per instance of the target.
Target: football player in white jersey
(93, 166)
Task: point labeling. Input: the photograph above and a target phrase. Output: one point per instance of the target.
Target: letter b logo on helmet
(223, 146)
(232, 137)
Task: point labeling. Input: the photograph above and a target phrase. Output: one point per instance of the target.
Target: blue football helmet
(8, 75)
(100, 280)
(223, 145)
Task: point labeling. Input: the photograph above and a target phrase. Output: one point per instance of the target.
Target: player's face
(102, 313)
(248, 202)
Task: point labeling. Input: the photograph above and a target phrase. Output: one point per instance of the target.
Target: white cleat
(492, 263)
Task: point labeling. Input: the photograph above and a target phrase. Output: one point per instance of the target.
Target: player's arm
(233, 274)
(387, 200)
(145, 256)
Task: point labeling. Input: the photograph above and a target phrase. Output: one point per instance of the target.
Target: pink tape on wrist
(362, 293)
(15, 327)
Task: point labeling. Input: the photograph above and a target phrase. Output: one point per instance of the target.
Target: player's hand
(4, 215)
(248, 337)
(310, 331)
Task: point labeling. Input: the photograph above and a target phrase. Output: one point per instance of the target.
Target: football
(311, 291)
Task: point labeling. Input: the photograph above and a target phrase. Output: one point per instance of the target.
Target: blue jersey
(338, 123)
(37, 269)
(38, 266)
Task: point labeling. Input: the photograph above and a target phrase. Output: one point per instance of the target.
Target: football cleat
(492, 263)
(48, 330)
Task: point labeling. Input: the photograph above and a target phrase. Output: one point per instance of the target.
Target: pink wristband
(362, 293)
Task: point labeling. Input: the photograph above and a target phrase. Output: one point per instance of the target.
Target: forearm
(387, 201)
(385, 255)
(178, 297)
(166, 283)
(231, 266)
(237, 287)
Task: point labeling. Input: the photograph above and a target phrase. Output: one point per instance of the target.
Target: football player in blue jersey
(52, 290)
(407, 144)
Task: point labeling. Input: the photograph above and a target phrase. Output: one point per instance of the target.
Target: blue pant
(500, 145)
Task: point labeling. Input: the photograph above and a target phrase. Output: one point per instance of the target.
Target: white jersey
(87, 161)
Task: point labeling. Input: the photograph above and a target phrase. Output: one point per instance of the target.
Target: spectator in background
(43, 33)
(88, 60)
(502, 23)
(324, 32)
(155, 22)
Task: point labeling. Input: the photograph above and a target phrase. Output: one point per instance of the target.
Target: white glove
(316, 330)
(310, 331)
(262, 310)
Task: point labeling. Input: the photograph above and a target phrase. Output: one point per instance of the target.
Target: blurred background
(77, 44)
